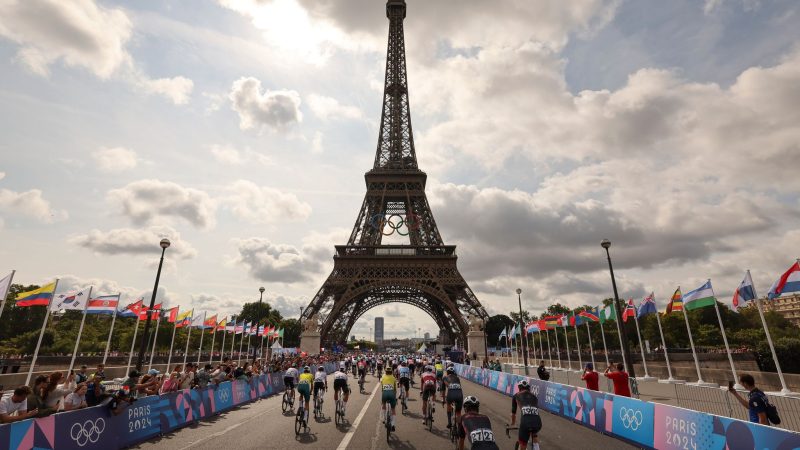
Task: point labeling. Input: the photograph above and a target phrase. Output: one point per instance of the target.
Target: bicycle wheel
(285, 404)
(298, 421)
(338, 416)
(388, 423)
(430, 416)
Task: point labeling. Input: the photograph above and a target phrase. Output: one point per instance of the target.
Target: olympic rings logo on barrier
(631, 419)
(89, 431)
(223, 395)
(395, 223)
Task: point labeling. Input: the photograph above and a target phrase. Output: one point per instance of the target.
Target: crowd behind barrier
(645, 424)
(146, 418)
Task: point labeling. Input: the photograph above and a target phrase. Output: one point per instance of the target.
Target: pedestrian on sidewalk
(591, 377)
(756, 403)
(620, 379)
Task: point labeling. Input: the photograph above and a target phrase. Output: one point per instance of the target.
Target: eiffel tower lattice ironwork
(367, 271)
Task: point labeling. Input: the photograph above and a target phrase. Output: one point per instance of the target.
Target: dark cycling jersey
(477, 429)
(530, 423)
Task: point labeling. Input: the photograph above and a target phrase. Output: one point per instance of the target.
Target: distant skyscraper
(427, 336)
(378, 330)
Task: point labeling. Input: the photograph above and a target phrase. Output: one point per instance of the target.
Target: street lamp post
(521, 331)
(146, 335)
(625, 349)
(261, 290)
(260, 299)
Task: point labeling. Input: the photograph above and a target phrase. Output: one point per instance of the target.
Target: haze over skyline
(241, 130)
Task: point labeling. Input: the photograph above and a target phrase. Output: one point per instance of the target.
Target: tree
(259, 312)
(526, 316)
(291, 332)
(495, 325)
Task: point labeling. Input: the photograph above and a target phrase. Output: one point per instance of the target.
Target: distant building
(378, 330)
(427, 336)
(788, 307)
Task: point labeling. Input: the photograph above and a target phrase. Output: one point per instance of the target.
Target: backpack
(771, 410)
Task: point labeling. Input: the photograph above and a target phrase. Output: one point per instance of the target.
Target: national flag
(700, 297)
(197, 321)
(172, 314)
(745, 292)
(36, 297)
(222, 325)
(261, 330)
(608, 313)
(210, 322)
(153, 314)
(630, 311)
(5, 284)
(563, 320)
(134, 309)
(648, 306)
(184, 319)
(239, 328)
(230, 328)
(280, 333)
(676, 302)
(590, 314)
(253, 329)
(74, 301)
(275, 332)
(551, 322)
(103, 304)
(503, 334)
(532, 327)
(788, 282)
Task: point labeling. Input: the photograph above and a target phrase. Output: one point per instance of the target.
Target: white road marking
(349, 435)
(229, 429)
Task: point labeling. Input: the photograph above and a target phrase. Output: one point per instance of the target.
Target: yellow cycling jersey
(306, 378)
(439, 367)
(388, 383)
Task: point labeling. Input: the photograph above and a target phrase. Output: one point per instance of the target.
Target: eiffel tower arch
(373, 268)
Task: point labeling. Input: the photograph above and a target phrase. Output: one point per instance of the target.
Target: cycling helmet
(428, 368)
(341, 365)
(450, 370)
(523, 384)
(320, 368)
(306, 369)
(471, 401)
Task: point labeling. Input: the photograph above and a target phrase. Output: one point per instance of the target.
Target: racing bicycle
(404, 407)
(429, 413)
(361, 384)
(288, 400)
(340, 407)
(318, 404)
(387, 419)
(300, 420)
(509, 428)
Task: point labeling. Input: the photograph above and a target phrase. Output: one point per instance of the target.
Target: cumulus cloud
(134, 241)
(257, 204)
(31, 204)
(226, 154)
(80, 33)
(328, 108)
(271, 109)
(147, 201)
(116, 159)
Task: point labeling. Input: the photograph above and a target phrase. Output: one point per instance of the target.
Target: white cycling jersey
(320, 376)
(339, 375)
(291, 372)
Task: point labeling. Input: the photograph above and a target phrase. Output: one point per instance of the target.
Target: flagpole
(541, 346)
(5, 294)
(646, 376)
(566, 339)
(725, 338)
(533, 344)
(188, 338)
(605, 348)
(664, 346)
(261, 350)
(202, 335)
(784, 389)
(113, 319)
(133, 343)
(80, 330)
(558, 350)
(700, 381)
(213, 340)
(41, 334)
(222, 347)
(241, 341)
(248, 341)
(549, 353)
(155, 339)
(591, 349)
(578, 345)
(172, 341)
(233, 340)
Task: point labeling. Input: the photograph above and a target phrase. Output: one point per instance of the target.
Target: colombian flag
(676, 302)
(37, 297)
(184, 319)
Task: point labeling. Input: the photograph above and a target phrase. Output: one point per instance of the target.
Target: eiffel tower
(368, 271)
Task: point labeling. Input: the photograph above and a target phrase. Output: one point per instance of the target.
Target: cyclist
(404, 374)
(476, 427)
(389, 394)
(379, 365)
(340, 382)
(362, 368)
(304, 387)
(428, 382)
(455, 396)
(439, 375)
(530, 423)
(320, 382)
(411, 367)
(290, 379)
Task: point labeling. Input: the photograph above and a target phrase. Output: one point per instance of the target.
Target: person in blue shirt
(756, 401)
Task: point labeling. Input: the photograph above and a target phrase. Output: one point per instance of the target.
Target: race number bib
(481, 435)
(388, 387)
(530, 411)
(455, 386)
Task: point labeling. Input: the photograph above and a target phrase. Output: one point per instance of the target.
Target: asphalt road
(262, 425)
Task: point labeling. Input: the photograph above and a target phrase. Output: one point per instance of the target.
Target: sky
(241, 130)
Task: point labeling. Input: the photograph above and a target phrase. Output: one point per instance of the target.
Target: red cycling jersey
(428, 379)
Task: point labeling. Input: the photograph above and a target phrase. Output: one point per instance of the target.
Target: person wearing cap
(304, 383)
(187, 377)
(132, 385)
(591, 377)
(119, 401)
(530, 423)
(454, 397)
(476, 427)
(81, 376)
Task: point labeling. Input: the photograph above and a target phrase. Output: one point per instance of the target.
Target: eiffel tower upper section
(395, 185)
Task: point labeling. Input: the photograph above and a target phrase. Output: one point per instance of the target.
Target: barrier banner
(223, 396)
(86, 429)
(202, 403)
(175, 409)
(632, 419)
(593, 409)
(241, 392)
(138, 422)
(31, 433)
(277, 382)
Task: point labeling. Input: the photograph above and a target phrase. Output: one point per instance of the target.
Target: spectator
(14, 407)
(591, 377)
(100, 374)
(149, 385)
(756, 402)
(95, 391)
(81, 376)
(119, 401)
(204, 376)
(187, 377)
(133, 386)
(171, 384)
(56, 391)
(620, 379)
(36, 398)
(542, 371)
(76, 399)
